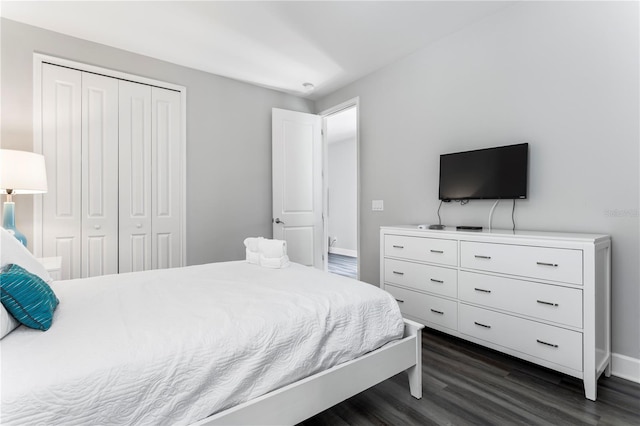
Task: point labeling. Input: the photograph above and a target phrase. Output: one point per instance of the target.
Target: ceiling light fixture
(308, 86)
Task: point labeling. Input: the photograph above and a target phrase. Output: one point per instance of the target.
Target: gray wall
(343, 190)
(228, 136)
(562, 76)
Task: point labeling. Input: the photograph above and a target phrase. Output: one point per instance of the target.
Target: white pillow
(12, 251)
(7, 322)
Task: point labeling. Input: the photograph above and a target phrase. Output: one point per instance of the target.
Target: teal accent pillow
(27, 297)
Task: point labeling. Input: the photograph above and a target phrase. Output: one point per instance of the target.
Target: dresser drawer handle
(482, 325)
(555, 265)
(545, 343)
(547, 303)
(437, 251)
(437, 281)
(437, 312)
(400, 247)
(399, 300)
(398, 273)
(478, 256)
(482, 290)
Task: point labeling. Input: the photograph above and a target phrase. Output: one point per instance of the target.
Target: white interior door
(297, 185)
(99, 175)
(135, 177)
(61, 139)
(167, 190)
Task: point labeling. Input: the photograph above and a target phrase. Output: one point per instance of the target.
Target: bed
(223, 343)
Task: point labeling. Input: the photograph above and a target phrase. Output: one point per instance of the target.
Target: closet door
(99, 175)
(61, 140)
(135, 177)
(166, 179)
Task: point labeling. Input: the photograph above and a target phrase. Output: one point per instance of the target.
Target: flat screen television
(492, 173)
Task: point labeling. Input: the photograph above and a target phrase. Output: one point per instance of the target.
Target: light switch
(377, 205)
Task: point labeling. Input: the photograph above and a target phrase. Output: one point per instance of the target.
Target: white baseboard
(344, 252)
(625, 367)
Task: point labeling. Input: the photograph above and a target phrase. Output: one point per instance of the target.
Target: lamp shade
(23, 172)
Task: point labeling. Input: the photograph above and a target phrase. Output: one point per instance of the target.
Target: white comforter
(174, 346)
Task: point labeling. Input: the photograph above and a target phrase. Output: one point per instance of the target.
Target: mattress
(177, 345)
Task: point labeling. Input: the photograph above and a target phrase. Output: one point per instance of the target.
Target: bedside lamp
(21, 172)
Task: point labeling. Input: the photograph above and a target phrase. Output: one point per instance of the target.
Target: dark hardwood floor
(466, 384)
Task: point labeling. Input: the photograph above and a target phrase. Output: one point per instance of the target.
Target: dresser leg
(591, 387)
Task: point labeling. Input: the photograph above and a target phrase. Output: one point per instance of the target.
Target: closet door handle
(478, 256)
(96, 226)
(138, 225)
(555, 265)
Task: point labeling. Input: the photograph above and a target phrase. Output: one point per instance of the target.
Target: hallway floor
(343, 265)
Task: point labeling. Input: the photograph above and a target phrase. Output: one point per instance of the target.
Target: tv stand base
(468, 228)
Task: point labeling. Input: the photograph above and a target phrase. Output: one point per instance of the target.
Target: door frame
(351, 103)
(38, 60)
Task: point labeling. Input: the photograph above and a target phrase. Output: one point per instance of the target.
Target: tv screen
(492, 173)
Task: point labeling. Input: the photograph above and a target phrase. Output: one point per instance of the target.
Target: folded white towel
(253, 249)
(274, 262)
(272, 249)
(253, 257)
(253, 243)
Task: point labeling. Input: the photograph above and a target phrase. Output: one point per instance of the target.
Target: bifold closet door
(99, 175)
(135, 177)
(113, 151)
(150, 175)
(80, 145)
(61, 140)
(166, 200)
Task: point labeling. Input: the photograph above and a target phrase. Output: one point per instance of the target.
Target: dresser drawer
(425, 308)
(553, 344)
(434, 279)
(549, 302)
(432, 250)
(562, 265)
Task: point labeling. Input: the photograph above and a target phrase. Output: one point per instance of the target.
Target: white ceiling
(279, 45)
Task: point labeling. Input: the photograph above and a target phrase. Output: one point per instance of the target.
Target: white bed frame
(305, 398)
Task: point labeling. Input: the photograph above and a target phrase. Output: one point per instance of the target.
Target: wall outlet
(377, 205)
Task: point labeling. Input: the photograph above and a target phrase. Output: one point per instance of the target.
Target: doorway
(341, 189)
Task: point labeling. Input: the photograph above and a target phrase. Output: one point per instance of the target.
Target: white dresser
(540, 296)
